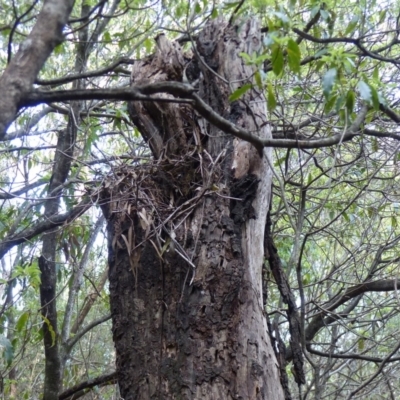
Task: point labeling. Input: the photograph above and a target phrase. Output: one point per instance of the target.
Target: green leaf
(271, 100)
(245, 57)
(51, 330)
(382, 100)
(343, 116)
(349, 65)
(365, 91)
(269, 39)
(59, 49)
(374, 144)
(375, 74)
(117, 123)
(339, 102)
(329, 104)
(260, 59)
(294, 56)
(350, 101)
(277, 60)
(148, 44)
(8, 349)
(375, 98)
(319, 65)
(352, 25)
(107, 37)
(282, 16)
(240, 92)
(327, 82)
(22, 321)
(227, 6)
(382, 15)
(315, 11)
(258, 79)
(280, 161)
(325, 15)
(320, 53)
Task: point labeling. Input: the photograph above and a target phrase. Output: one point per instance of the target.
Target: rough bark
(21, 72)
(186, 234)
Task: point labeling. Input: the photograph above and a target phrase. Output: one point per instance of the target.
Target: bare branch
(368, 381)
(26, 148)
(43, 226)
(81, 388)
(318, 322)
(356, 42)
(72, 341)
(26, 130)
(390, 113)
(77, 280)
(17, 193)
(186, 93)
(89, 74)
(350, 356)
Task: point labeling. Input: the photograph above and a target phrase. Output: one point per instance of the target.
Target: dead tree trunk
(186, 234)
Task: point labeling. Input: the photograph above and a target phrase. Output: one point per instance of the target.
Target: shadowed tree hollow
(186, 233)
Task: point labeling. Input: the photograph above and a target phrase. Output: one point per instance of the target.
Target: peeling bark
(186, 235)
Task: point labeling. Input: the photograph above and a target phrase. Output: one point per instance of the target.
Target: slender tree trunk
(186, 235)
(55, 356)
(47, 263)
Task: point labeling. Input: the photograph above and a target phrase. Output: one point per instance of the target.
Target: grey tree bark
(21, 72)
(47, 264)
(186, 233)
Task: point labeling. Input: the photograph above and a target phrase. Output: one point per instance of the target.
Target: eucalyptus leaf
(328, 81)
(22, 321)
(365, 91)
(294, 55)
(8, 349)
(240, 92)
(277, 60)
(352, 25)
(271, 100)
